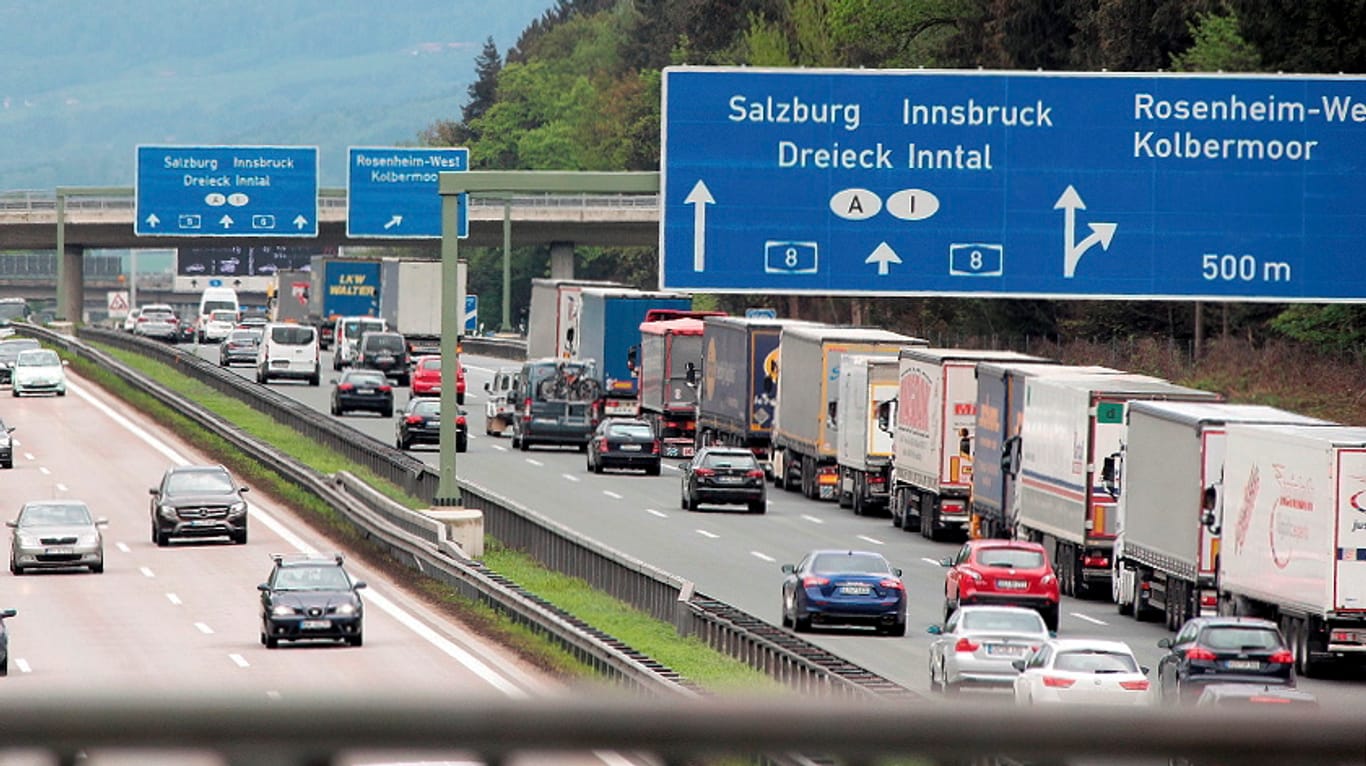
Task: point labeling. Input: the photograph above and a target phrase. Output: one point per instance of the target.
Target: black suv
(1212, 650)
(198, 501)
(386, 352)
(310, 598)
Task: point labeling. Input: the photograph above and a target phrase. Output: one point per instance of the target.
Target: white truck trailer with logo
(1171, 494)
(804, 430)
(553, 316)
(936, 413)
(864, 451)
(1074, 427)
(1294, 537)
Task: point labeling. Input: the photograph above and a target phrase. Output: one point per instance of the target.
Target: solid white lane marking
(123, 547)
(173, 598)
(705, 533)
(240, 661)
(872, 540)
(660, 514)
(812, 519)
(1091, 620)
(477, 666)
(205, 629)
(61, 487)
(673, 467)
(762, 556)
(570, 476)
(23, 665)
(43, 470)
(930, 561)
(536, 463)
(146, 572)
(611, 494)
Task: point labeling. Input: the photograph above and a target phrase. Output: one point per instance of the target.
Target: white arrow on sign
(1101, 233)
(395, 221)
(226, 221)
(884, 256)
(300, 222)
(700, 197)
(152, 220)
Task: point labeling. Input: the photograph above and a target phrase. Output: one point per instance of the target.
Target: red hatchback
(426, 379)
(1002, 573)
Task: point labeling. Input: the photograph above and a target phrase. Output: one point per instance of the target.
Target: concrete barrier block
(464, 527)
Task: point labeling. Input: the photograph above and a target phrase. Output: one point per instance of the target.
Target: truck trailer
(864, 450)
(670, 355)
(289, 298)
(805, 433)
(1171, 491)
(1074, 428)
(341, 287)
(410, 301)
(607, 328)
(1294, 537)
(554, 311)
(936, 411)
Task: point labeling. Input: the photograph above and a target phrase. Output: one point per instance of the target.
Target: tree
(1218, 47)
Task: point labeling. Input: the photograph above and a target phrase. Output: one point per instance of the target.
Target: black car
(624, 443)
(420, 423)
(310, 598)
(5, 614)
(9, 351)
(386, 352)
(724, 476)
(363, 390)
(198, 501)
(6, 446)
(1210, 650)
(239, 346)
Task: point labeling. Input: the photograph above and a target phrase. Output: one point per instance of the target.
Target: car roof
(1097, 644)
(626, 422)
(844, 552)
(1223, 621)
(727, 451)
(994, 543)
(63, 502)
(197, 469)
(305, 560)
(966, 608)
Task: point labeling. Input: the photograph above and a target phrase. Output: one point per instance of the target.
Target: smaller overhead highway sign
(226, 191)
(392, 192)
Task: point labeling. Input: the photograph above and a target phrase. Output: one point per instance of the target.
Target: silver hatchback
(56, 534)
(979, 644)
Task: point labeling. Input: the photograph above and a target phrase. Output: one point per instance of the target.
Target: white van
(214, 299)
(288, 351)
(346, 337)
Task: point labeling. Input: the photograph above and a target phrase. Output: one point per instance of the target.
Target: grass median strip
(688, 656)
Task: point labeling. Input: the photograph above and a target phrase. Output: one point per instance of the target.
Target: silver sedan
(56, 534)
(978, 645)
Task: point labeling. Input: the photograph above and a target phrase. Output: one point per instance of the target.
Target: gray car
(56, 534)
(9, 352)
(5, 614)
(979, 644)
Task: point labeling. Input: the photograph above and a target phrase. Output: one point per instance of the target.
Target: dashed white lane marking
(762, 556)
(930, 561)
(570, 476)
(23, 665)
(705, 533)
(536, 463)
(872, 540)
(28, 455)
(660, 514)
(61, 487)
(173, 598)
(202, 628)
(1092, 620)
(146, 572)
(239, 660)
(123, 547)
(43, 470)
(500, 448)
(812, 519)
(611, 494)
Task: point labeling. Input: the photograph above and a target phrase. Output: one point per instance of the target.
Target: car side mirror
(244, 489)
(1018, 665)
(488, 387)
(946, 562)
(1010, 457)
(359, 584)
(789, 569)
(151, 490)
(7, 613)
(1165, 643)
(896, 571)
(12, 524)
(690, 377)
(263, 588)
(884, 415)
(935, 630)
(101, 522)
(633, 358)
(1145, 669)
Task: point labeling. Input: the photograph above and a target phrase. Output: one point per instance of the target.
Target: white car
(216, 326)
(1082, 671)
(979, 645)
(37, 371)
(131, 321)
(498, 407)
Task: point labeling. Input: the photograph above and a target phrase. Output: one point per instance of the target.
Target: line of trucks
(1168, 500)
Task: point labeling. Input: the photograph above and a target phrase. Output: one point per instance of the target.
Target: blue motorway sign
(1014, 184)
(471, 314)
(393, 193)
(226, 191)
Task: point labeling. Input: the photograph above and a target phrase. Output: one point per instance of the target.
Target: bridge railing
(335, 199)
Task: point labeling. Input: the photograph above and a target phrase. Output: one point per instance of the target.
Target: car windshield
(1236, 637)
(431, 364)
(311, 578)
(355, 327)
(1095, 661)
(292, 336)
(730, 460)
(869, 563)
(9, 350)
(224, 316)
(38, 358)
(160, 315)
(364, 378)
(390, 343)
(212, 306)
(1012, 558)
(1009, 622)
(64, 514)
(244, 336)
(199, 483)
(426, 407)
(631, 431)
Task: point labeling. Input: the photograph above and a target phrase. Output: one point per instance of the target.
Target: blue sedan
(834, 587)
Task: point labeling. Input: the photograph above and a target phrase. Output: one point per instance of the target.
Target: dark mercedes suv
(198, 501)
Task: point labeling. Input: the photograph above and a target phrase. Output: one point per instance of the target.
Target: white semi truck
(864, 451)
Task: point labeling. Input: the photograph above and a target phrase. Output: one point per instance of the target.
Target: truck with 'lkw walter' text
(341, 287)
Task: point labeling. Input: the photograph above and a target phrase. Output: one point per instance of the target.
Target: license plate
(200, 524)
(999, 650)
(1244, 665)
(60, 551)
(728, 479)
(384, 358)
(316, 624)
(1011, 584)
(855, 590)
(630, 448)
(366, 391)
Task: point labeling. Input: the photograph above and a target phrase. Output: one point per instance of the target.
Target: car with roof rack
(308, 598)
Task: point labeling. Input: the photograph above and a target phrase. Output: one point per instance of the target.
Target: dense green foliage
(580, 90)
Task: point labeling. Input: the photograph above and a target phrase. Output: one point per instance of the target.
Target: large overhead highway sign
(392, 192)
(226, 191)
(1014, 184)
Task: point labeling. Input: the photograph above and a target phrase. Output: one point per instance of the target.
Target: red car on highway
(1002, 573)
(426, 380)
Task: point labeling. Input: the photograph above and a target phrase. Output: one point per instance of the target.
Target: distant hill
(83, 82)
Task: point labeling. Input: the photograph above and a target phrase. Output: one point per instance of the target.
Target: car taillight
(460, 421)
(757, 473)
(173, 320)
(892, 584)
(974, 574)
(413, 420)
(812, 581)
(602, 446)
(345, 387)
(384, 389)
(1140, 685)
(1048, 579)
(705, 471)
(1200, 653)
(1095, 561)
(1283, 657)
(1061, 683)
(654, 448)
(966, 645)
(141, 320)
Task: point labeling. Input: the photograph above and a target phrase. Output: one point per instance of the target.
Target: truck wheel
(927, 518)
(1303, 646)
(858, 498)
(808, 477)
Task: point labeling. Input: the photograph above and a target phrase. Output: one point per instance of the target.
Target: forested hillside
(580, 90)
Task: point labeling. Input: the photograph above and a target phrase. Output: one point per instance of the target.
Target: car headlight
(282, 611)
(167, 510)
(346, 609)
(238, 508)
(84, 540)
(28, 541)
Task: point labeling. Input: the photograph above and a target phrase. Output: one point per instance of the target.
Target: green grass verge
(659, 640)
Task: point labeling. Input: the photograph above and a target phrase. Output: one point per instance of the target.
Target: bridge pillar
(70, 284)
(561, 260)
